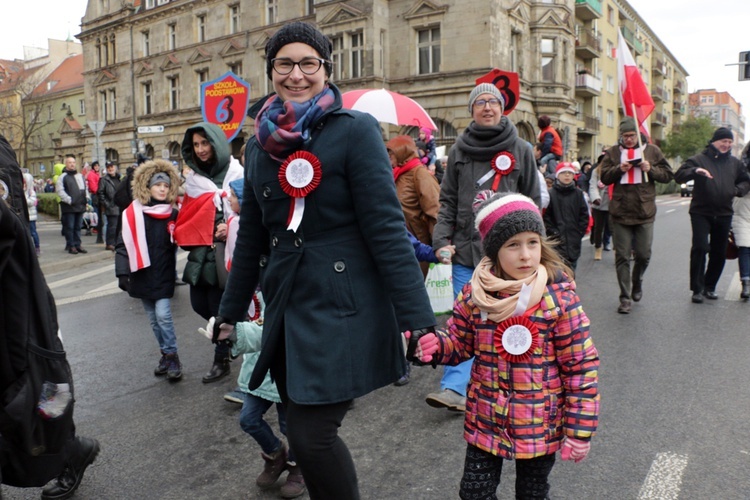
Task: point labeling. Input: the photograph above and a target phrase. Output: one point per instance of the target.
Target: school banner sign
(507, 83)
(224, 102)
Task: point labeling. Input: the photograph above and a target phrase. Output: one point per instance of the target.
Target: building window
(202, 78)
(49, 113)
(599, 114)
(236, 68)
(337, 57)
(82, 107)
(171, 36)
(272, 11)
(112, 50)
(103, 108)
(357, 44)
(610, 118)
(174, 93)
(382, 51)
(548, 59)
(149, 4)
(610, 15)
(707, 99)
(428, 50)
(234, 18)
(105, 52)
(201, 20)
(515, 51)
(98, 53)
(147, 110)
(309, 7)
(146, 41)
(610, 84)
(113, 104)
(611, 50)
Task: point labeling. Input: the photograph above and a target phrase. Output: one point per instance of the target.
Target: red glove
(574, 449)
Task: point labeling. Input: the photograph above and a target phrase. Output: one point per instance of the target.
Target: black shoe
(82, 250)
(174, 367)
(710, 294)
(624, 307)
(66, 484)
(637, 293)
(697, 298)
(73, 251)
(218, 371)
(404, 379)
(161, 368)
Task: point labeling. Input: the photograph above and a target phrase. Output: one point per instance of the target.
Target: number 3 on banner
(224, 111)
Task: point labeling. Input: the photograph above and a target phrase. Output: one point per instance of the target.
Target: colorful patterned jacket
(523, 410)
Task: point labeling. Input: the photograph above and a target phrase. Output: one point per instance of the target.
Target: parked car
(686, 188)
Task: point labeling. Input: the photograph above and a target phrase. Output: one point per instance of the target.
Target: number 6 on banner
(224, 102)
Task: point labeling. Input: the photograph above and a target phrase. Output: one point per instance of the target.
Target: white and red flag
(634, 94)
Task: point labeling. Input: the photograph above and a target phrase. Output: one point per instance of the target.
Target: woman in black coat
(328, 247)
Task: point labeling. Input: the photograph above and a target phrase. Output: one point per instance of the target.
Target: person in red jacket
(551, 148)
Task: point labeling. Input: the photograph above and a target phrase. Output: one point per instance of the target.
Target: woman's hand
(221, 232)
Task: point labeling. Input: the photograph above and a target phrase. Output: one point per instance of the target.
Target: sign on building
(224, 102)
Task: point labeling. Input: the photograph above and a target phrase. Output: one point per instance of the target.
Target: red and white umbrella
(389, 107)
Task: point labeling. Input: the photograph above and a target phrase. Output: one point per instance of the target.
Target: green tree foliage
(690, 139)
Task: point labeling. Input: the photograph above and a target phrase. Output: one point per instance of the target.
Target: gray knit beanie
(485, 88)
(627, 124)
(300, 32)
(504, 215)
(159, 177)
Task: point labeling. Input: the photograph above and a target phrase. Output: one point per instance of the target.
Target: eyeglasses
(308, 65)
(480, 103)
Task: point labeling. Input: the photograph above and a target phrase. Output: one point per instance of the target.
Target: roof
(12, 73)
(68, 75)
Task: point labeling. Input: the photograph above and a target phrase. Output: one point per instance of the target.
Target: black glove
(220, 331)
(124, 283)
(414, 343)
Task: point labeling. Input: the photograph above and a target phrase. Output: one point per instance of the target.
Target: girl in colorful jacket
(533, 387)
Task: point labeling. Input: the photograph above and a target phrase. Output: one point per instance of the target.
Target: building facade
(723, 110)
(144, 62)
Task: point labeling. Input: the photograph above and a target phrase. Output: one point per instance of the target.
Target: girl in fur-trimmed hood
(145, 255)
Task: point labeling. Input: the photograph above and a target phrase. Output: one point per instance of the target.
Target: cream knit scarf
(484, 281)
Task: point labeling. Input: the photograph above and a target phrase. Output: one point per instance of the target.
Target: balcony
(678, 108)
(631, 40)
(657, 92)
(679, 87)
(659, 119)
(588, 45)
(590, 125)
(588, 86)
(588, 9)
(658, 67)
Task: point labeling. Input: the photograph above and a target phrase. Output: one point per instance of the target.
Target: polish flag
(633, 91)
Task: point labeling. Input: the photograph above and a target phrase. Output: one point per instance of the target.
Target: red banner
(507, 83)
(224, 102)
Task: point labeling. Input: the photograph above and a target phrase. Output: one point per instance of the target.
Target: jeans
(456, 378)
(743, 259)
(710, 236)
(111, 229)
(631, 239)
(482, 472)
(251, 421)
(71, 225)
(159, 313)
(34, 234)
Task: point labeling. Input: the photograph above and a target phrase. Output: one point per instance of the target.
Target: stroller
(90, 220)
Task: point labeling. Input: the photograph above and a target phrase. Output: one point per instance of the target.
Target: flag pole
(640, 142)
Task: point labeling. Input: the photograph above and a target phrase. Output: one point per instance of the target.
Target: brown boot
(295, 483)
(598, 253)
(275, 464)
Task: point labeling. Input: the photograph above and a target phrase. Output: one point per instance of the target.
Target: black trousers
(710, 236)
(205, 300)
(482, 472)
(313, 434)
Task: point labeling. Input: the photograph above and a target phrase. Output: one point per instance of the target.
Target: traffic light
(744, 66)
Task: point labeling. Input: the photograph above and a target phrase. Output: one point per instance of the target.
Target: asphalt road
(673, 380)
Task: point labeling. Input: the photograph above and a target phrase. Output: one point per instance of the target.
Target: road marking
(664, 478)
(671, 210)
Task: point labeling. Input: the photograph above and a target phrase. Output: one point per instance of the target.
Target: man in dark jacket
(634, 171)
(72, 192)
(719, 177)
(108, 185)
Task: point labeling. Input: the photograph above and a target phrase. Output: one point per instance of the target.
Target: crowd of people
(321, 279)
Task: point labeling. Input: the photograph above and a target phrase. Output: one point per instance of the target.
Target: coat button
(266, 192)
(339, 266)
(275, 241)
(298, 242)
(263, 262)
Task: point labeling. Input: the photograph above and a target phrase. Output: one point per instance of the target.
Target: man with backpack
(37, 433)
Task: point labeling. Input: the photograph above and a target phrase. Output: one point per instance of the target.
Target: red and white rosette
(503, 163)
(253, 312)
(516, 339)
(299, 175)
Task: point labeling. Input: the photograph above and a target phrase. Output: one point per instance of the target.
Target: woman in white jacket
(741, 229)
(28, 186)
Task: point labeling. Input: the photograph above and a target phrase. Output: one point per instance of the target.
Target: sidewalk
(54, 258)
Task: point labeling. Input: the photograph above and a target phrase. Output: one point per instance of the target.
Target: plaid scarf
(283, 127)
